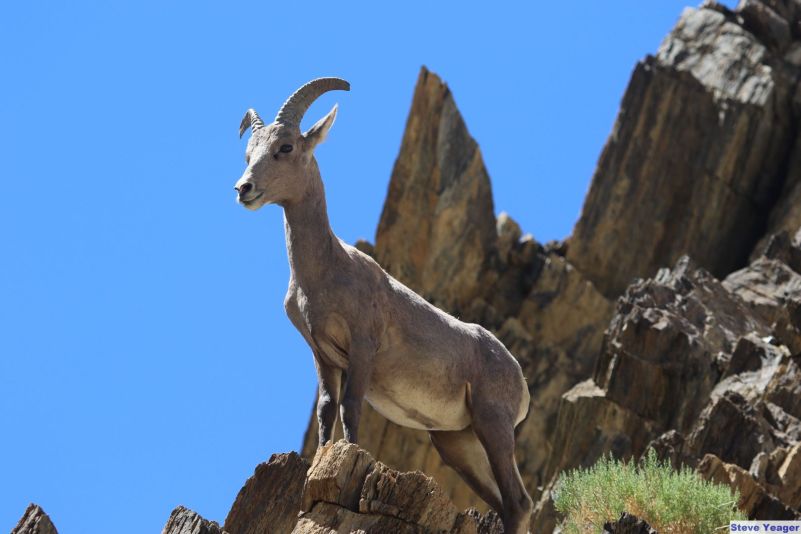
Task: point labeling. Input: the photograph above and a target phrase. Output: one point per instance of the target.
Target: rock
(754, 500)
(407, 496)
(670, 447)
(671, 335)
(667, 347)
(773, 290)
(270, 500)
(784, 388)
(628, 524)
(366, 247)
(347, 491)
(185, 521)
(336, 475)
(732, 430)
(789, 475)
(327, 518)
(695, 160)
(437, 228)
(761, 20)
(34, 521)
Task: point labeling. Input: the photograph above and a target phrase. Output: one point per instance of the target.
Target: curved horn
(296, 105)
(250, 120)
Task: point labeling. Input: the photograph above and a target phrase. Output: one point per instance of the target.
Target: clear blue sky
(145, 360)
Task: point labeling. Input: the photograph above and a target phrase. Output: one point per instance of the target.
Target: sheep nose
(244, 189)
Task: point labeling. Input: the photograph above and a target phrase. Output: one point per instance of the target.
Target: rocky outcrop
(185, 521)
(694, 368)
(699, 152)
(348, 491)
(754, 499)
(438, 224)
(270, 500)
(34, 521)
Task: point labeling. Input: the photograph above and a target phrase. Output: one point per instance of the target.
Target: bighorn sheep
(372, 337)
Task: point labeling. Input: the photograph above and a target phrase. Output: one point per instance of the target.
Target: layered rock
(694, 368)
(270, 500)
(348, 491)
(185, 521)
(699, 151)
(34, 521)
(437, 228)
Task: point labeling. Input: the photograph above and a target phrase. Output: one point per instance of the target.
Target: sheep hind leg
(495, 430)
(462, 451)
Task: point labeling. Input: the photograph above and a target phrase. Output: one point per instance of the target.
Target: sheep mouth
(250, 201)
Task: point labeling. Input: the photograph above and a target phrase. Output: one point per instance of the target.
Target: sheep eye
(285, 149)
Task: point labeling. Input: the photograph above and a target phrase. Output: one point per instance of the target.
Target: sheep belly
(420, 408)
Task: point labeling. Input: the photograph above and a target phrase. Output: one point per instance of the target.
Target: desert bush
(671, 501)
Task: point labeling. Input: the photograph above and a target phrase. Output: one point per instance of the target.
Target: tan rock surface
(347, 491)
(438, 224)
(270, 500)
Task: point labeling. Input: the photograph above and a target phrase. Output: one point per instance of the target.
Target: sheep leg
(356, 382)
(462, 451)
(495, 430)
(328, 386)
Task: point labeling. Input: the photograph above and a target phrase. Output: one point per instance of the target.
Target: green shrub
(672, 502)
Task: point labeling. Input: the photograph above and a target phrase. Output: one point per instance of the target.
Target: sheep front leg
(360, 359)
(328, 386)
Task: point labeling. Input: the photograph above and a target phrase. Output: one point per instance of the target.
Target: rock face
(34, 521)
(698, 372)
(185, 521)
(438, 224)
(270, 499)
(348, 491)
(699, 152)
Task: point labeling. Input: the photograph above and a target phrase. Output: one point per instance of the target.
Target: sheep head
(278, 155)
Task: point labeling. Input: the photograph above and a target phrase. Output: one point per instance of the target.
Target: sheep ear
(316, 134)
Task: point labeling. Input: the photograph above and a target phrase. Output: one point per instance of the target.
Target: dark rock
(732, 430)
(270, 500)
(695, 160)
(755, 501)
(34, 521)
(185, 521)
(628, 524)
(761, 20)
(669, 447)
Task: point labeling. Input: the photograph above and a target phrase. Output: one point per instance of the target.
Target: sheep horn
(296, 105)
(250, 120)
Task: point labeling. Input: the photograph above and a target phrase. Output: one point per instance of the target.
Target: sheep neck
(310, 243)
